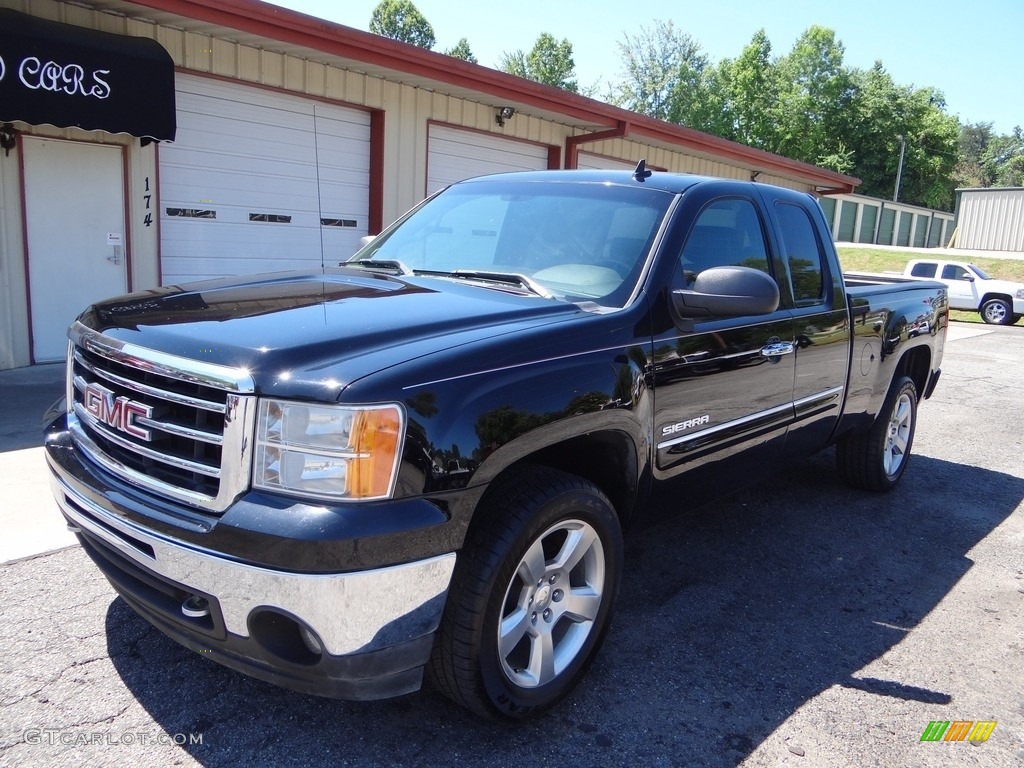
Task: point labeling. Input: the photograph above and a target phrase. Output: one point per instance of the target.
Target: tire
(997, 312)
(876, 460)
(531, 597)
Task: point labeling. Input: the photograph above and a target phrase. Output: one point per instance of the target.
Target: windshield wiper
(505, 278)
(389, 266)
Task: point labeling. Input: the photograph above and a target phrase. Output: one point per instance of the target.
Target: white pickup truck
(1000, 302)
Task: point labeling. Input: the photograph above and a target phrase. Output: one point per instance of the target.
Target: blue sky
(970, 51)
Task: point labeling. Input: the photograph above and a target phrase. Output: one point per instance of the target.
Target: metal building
(151, 142)
(990, 219)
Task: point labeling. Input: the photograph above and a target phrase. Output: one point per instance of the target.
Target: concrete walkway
(949, 254)
(29, 518)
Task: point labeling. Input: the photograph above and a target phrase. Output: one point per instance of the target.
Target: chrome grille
(178, 427)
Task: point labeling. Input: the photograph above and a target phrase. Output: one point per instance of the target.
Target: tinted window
(924, 269)
(585, 242)
(953, 272)
(802, 252)
(727, 233)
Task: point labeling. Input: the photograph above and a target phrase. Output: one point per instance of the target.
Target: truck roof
(673, 183)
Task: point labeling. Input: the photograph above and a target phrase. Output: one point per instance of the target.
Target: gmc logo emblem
(117, 412)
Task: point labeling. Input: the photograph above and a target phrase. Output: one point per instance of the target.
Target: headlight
(1020, 294)
(328, 451)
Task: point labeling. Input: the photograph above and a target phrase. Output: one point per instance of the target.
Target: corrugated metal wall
(990, 219)
(862, 219)
(408, 108)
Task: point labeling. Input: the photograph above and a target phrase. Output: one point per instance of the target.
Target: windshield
(573, 241)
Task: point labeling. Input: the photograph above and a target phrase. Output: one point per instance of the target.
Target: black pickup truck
(424, 459)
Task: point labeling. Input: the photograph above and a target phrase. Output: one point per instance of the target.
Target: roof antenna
(641, 173)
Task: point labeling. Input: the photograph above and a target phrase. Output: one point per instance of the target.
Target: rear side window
(924, 269)
(803, 255)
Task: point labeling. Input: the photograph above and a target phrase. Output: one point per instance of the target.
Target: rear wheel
(531, 597)
(997, 312)
(876, 460)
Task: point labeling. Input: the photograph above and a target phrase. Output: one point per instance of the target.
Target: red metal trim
(24, 249)
(554, 158)
(375, 221)
(156, 196)
(572, 144)
(299, 29)
(127, 213)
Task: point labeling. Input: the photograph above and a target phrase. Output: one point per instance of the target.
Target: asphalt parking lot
(797, 623)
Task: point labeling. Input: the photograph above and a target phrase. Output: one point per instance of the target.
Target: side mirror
(727, 292)
(969, 278)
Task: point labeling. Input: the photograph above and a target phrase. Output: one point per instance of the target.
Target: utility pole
(899, 170)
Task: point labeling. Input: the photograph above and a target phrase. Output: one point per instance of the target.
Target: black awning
(73, 77)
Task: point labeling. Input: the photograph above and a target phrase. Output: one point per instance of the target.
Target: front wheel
(997, 312)
(876, 460)
(531, 597)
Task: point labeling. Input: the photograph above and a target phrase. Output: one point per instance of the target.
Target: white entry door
(74, 211)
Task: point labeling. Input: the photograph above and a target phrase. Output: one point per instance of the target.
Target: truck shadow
(729, 620)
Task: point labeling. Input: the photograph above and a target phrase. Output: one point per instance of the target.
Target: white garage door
(589, 161)
(258, 181)
(455, 154)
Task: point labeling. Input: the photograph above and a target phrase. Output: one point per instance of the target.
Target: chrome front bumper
(350, 613)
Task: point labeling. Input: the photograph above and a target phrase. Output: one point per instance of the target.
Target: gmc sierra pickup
(424, 460)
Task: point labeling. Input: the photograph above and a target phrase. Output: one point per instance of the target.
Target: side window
(802, 252)
(727, 233)
(924, 269)
(953, 272)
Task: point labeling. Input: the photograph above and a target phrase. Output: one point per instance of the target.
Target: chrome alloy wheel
(901, 423)
(551, 603)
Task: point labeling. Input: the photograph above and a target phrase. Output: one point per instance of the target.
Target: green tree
(400, 20)
(462, 51)
(882, 111)
(815, 98)
(988, 159)
(748, 88)
(549, 62)
(662, 73)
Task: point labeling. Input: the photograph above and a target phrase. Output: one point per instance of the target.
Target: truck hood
(310, 335)
(1001, 286)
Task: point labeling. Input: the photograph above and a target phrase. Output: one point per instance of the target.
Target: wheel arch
(608, 458)
(995, 295)
(915, 363)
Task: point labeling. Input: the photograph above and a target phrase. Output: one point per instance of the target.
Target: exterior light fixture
(504, 113)
(7, 138)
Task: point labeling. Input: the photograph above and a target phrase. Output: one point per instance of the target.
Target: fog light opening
(285, 637)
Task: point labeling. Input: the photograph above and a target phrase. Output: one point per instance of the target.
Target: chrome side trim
(797, 406)
(710, 431)
(349, 612)
(811, 401)
(172, 366)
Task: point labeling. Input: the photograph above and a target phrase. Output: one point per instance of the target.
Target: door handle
(778, 348)
(116, 257)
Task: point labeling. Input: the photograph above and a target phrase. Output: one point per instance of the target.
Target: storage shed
(154, 142)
